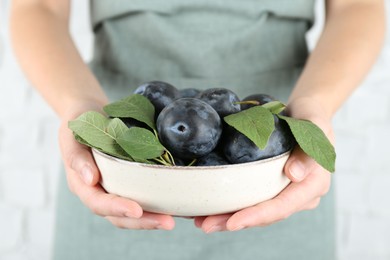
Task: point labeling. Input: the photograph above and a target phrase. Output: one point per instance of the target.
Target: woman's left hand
(309, 183)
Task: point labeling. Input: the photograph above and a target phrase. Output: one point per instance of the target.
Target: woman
(247, 46)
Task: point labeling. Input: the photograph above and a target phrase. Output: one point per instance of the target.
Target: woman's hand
(309, 183)
(83, 180)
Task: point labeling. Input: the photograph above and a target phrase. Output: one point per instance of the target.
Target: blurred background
(30, 161)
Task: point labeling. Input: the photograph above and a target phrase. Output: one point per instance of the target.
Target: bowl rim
(159, 166)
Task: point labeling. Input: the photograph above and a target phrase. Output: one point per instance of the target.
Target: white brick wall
(29, 158)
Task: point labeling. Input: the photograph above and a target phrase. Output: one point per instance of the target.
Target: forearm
(347, 48)
(50, 59)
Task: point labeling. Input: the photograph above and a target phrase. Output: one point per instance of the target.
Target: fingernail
(161, 227)
(238, 228)
(151, 223)
(213, 229)
(86, 175)
(297, 170)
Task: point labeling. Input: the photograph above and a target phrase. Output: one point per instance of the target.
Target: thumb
(299, 165)
(78, 157)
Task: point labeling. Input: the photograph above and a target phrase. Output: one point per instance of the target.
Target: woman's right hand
(83, 180)
(49, 57)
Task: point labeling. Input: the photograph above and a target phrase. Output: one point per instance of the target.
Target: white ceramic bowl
(193, 191)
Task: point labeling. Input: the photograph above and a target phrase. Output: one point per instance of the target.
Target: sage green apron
(249, 46)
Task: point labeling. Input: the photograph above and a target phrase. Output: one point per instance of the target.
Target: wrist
(309, 107)
(312, 109)
(78, 106)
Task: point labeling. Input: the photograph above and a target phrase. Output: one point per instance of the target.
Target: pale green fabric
(243, 45)
(249, 46)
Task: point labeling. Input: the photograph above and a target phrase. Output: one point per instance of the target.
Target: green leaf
(81, 140)
(312, 141)
(140, 143)
(275, 107)
(135, 106)
(100, 132)
(116, 127)
(256, 123)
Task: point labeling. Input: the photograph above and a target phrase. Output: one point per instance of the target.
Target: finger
(198, 221)
(102, 203)
(78, 157)
(215, 223)
(299, 165)
(148, 221)
(312, 204)
(289, 201)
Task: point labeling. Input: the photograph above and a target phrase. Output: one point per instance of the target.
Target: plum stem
(166, 157)
(155, 133)
(192, 162)
(162, 161)
(170, 156)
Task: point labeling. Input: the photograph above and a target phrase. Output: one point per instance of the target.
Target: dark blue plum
(189, 128)
(224, 101)
(261, 98)
(239, 149)
(179, 162)
(212, 159)
(159, 93)
(189, 92)
(130, 122)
